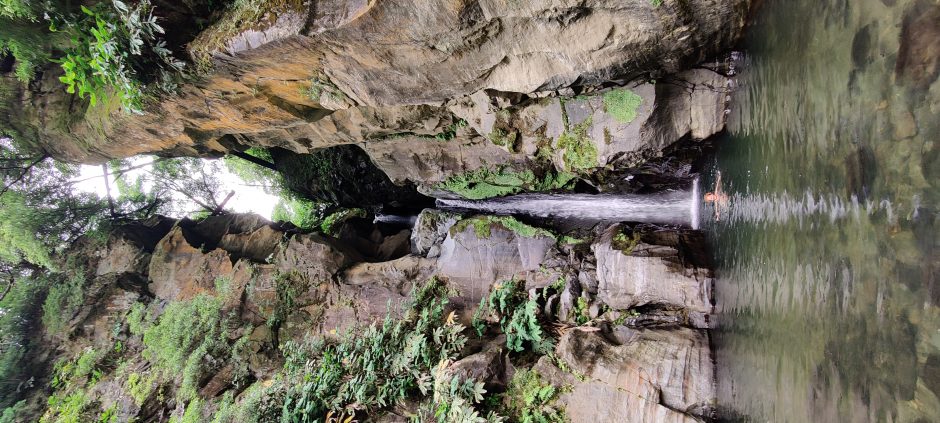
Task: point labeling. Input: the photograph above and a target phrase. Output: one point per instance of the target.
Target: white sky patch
(248, 198)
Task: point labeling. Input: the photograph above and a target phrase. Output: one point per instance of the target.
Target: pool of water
(826, 248)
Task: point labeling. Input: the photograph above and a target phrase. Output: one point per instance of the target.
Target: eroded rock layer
(347, 71)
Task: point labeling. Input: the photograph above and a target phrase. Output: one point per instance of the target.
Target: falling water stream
(671, 207)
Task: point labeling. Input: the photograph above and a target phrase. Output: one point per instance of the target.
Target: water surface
(827, 247)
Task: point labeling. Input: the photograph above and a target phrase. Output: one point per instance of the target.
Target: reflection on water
(827, 248)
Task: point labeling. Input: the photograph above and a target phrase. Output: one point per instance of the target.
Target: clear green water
(827, 251)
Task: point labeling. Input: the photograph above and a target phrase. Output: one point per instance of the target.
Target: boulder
(208, 232)
(316, 258)
(258, 245)
(179, 271)
(642, 274)
(129, 246)
(367, 292)
(662, 376)
(429, 232)
(490, 366)
(481, 251)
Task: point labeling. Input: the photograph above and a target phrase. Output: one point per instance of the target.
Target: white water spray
(672, 207)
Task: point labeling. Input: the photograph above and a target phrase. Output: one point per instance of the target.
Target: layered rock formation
(249, 264)
(388, 75)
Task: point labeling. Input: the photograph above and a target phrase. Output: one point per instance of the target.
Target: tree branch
(23, 174)
(218, 210)
(107, 189)
(256, 160)
(8, 288)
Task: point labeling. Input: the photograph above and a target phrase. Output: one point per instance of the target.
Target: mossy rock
(489, 183)
(483, 225)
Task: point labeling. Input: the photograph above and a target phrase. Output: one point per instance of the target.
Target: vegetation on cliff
(105, 49)
(488, 183)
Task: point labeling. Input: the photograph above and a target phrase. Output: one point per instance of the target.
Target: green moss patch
(482, 226)
(625, 243)
(622, 104)
(322, 89)
(331, 224)
(488, 183)
(503, 138)
(580, 151)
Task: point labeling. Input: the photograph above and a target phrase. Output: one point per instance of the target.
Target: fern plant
(453, 401)
(528, 399)
(375, 367)
(517, 314)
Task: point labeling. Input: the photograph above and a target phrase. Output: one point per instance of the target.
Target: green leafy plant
(453, 401)
(517, 314)
(580, 153)
(9, 413)
(72, 408)
(188, 340)
(192, 414)
(141, 385)
(580, 312)
(287, 286)
(528, 399)
(110, 47)
(62, 303)
(624, 243)
(450, 132)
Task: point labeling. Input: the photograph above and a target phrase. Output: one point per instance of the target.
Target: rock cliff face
(612, 345)
(390, 75)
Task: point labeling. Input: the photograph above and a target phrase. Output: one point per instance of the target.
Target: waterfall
(671, 207)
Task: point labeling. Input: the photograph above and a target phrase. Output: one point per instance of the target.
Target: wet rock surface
(474, 259)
